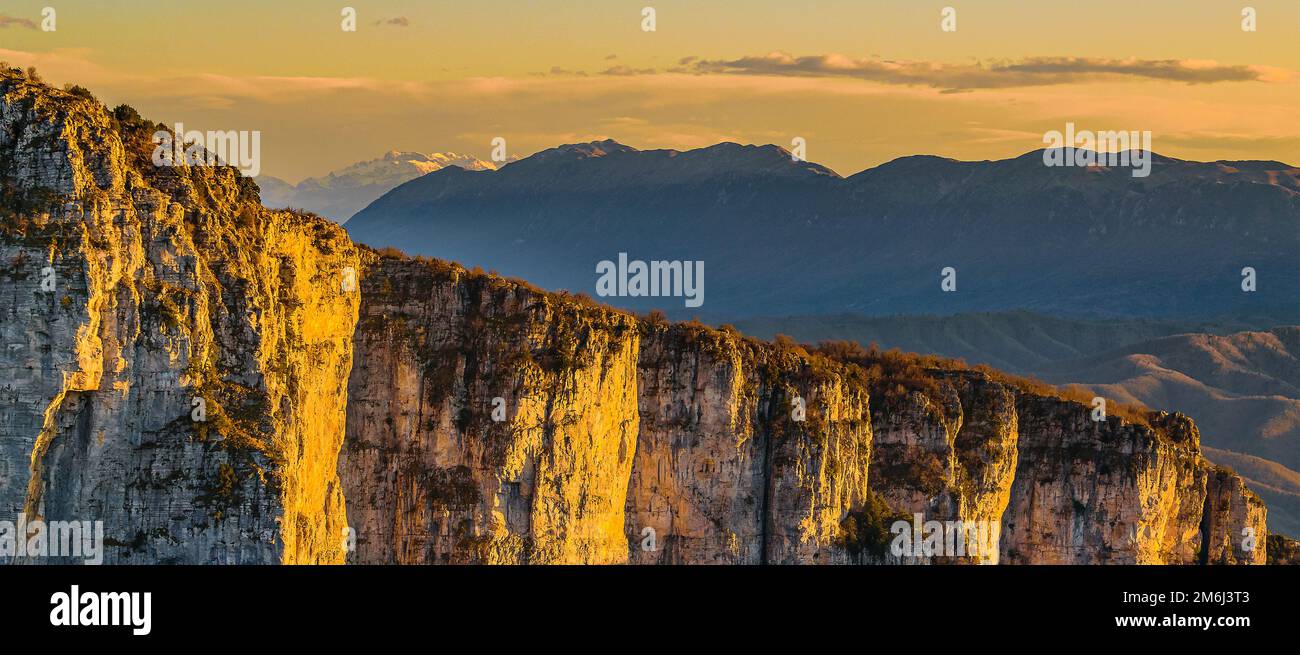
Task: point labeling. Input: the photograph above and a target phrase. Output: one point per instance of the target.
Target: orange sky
(862, 82)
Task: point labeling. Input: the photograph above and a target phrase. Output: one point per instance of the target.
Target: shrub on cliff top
(655, 318)
(79, 91)
(785, 342)
(892, 374)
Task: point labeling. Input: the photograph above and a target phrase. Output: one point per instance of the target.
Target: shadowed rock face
(1283, 550)
(724, 472)
(462, 417)
(950, 457)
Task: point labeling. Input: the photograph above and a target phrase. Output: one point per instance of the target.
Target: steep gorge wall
(948, 456)
(432, 476)
(1230, 532)
(131, 295)
(1103, 492)
(1064, 488)
(611, 435)
(747, 453)
(713, 466)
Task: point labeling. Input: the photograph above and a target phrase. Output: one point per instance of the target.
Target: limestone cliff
(175, 356)
(1282, 550)
(716, 465)
(747, 453)
(221, 383)
(1230, 526)
(488, 422)
(1103, 492)
(948, 455)
(727, 471)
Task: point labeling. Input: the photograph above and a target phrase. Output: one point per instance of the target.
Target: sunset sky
(862, 82)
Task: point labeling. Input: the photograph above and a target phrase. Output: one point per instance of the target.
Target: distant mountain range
(344, 192)
(780, 236)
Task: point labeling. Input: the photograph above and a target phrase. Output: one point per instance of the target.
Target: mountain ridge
(873, 243)
(341, 193)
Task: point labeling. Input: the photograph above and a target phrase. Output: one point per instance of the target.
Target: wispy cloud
(7, 21)
(1031, 71)
(624, 71)
(560, 70)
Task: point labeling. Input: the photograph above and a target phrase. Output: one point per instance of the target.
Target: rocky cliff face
(220, 383)
(1282, 550)
(747, 453)
(948, 455)
(1230, 525)
(610, 441)
(174, 356)
(1103, 492)
(726, 469)
(488, 422)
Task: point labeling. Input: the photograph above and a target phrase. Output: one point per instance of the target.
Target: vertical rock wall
(169, 290)
(727, 469)
(1103, 492)
(432, 476)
